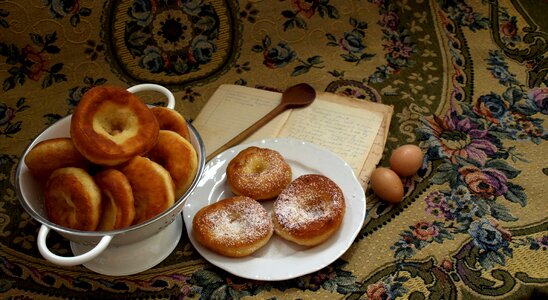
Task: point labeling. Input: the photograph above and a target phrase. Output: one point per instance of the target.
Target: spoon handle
(249, 131)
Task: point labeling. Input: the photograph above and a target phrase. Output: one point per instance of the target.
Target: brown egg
(406, 160)
(386, 184)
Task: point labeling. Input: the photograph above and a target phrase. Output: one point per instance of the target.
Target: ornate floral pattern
(478, 117)
(32, 62)
(159, 36)
(59, 9)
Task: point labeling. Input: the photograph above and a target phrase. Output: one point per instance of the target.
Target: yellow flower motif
(415, 76)
(422, 17)
(428, 66)
(432, 79)
(428, 99)
(426, 39)
(415, 88)
(428, 53)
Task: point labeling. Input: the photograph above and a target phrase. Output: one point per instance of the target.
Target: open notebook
(356, 130)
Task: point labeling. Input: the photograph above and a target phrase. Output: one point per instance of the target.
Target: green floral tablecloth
(467, 79)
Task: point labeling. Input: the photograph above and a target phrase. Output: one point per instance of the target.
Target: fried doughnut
(259, 173)
(178, 157)
(111, 125)
(116, 198)
(151, 185)
(72, 199)
(234, 227)
(309, 210)
(50, 155)
(170, 119)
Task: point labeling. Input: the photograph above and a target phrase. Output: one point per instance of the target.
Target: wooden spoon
(299, 95)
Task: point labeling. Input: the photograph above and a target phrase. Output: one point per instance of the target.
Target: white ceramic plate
(280, 259)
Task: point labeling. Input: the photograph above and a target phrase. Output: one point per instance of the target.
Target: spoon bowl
(299, 95)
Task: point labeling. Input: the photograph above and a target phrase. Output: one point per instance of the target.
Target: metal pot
(30, 193)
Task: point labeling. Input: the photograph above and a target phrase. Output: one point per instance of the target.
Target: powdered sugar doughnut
(234, 227)
(309, 210)
(259, 173)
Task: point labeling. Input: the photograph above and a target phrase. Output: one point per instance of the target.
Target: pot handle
(69, 261)
(156, 88)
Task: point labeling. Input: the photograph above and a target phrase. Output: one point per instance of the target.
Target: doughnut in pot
(111, 125)
(309, 210)
(117, 200)
(234, 227)
(72, 199)
(151, 185)
(170, 119)
(178, 157)
(259, 173)
(49, 155)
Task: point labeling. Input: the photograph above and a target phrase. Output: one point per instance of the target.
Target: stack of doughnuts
(116, 169)
(306, 211)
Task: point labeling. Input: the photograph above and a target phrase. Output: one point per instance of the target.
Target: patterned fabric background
(467, 79)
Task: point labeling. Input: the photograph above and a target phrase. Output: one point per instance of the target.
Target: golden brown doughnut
(170, 119)
(72, 199)
(259, 173)
(111, 125)
(234, 227)
(309, 210)
(151, 185)
(49, 155)
(116, 198)
(178, 157)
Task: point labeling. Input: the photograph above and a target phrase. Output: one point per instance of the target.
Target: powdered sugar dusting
(256, 172)
(308, 199)
(241, 221)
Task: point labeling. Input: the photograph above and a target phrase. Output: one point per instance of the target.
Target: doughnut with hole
(170, 119)
(259, 173)
(111, 125)
(72, 199)
(178, 157)
(152, 188)
(116, 198)
(52, 154)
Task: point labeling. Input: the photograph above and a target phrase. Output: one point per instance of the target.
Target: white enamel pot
(30, 193)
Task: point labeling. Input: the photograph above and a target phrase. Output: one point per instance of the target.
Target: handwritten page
(346, 131)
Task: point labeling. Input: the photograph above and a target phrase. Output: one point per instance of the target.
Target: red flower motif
(425, 231)
(447, 265)
(486, 183)
(509, 29)
(377, 291)
(307, 8)
(37, 62)
(390, 20)
(6, 114)
(398, 49)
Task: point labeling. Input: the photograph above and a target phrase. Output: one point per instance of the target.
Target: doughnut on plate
(280, 259)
